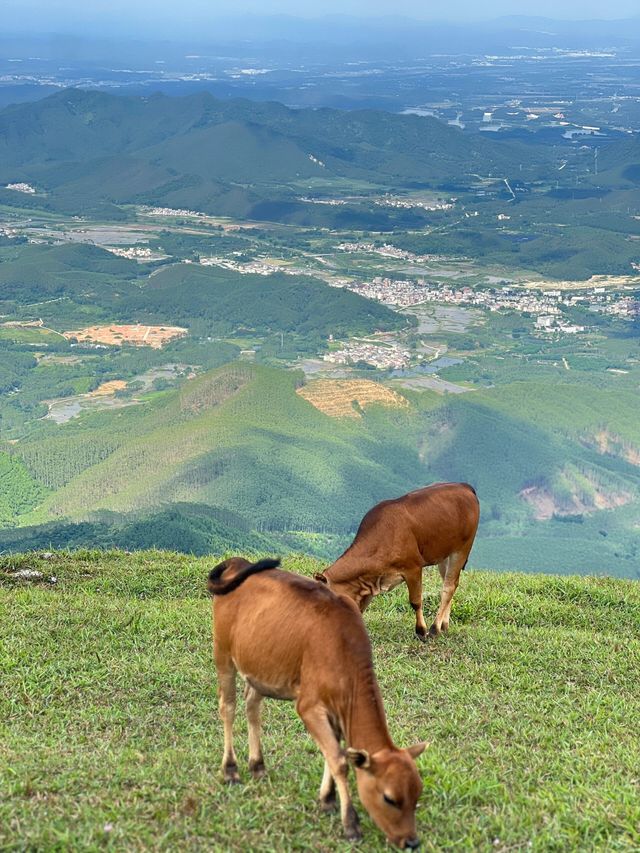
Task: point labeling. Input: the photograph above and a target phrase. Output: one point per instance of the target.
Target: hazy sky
(40, 14)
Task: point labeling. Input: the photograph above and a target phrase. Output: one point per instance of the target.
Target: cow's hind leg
(227, 706)
(450, 573)
(253, 701)
(327, 790)
(320, 729)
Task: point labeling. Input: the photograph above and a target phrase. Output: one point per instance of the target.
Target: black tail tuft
(217, 586)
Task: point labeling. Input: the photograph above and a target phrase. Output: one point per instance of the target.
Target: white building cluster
(170, 211)
(552, 323)
(408, 204)
(21, 187)
(546, 305)
(133, 253)
(258, 266)
(388, 251)
(388, 357)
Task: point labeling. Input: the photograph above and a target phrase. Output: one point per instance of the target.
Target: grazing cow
(398, 538)
(291, 638)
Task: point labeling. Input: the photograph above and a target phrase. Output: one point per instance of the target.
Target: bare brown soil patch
(138, 335)
(107, 389)
(341, 398)
(584, 499)
(613, 445)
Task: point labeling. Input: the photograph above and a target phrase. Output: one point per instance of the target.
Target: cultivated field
(110, 736)
(138, 335)
(341, 398)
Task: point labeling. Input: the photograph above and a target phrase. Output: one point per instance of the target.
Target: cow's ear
(360, 758)
(319, 577)
(417, 749)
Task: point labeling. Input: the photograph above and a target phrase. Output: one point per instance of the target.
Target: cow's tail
(217, 586)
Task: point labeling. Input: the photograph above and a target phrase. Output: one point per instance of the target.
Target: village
(387, 251)
(388, 356)
(546, 305)
(258, 266)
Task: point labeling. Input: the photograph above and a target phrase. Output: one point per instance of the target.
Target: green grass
(110, 738)
(29, 335)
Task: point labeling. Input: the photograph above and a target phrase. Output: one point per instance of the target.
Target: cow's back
(426, 525)
(277, 623)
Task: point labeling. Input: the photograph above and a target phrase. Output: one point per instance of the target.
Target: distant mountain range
(370, 35)
(84, 149)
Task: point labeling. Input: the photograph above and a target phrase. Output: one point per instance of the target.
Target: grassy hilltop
(110, 737)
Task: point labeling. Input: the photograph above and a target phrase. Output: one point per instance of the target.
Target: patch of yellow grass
(341, 398)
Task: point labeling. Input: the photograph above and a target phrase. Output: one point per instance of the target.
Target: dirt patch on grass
(344, 398)
(107, 389)
(138, 335)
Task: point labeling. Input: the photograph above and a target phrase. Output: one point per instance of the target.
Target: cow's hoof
(421, 634)
(257, 769)
(353, 833)
(352, 829)
(328, 804)
(231, 775)
(434, 630)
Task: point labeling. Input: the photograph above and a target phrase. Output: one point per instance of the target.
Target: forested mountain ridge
(223, 155)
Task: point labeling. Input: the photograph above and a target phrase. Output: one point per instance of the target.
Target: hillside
(206, 443)
(558, 490)
(79, 281)
(29, 273)
(112, 736)
(90, 148)
(225, 300)
(621, 163)
(192, 528)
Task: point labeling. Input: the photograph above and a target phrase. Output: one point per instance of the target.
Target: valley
(209, 354)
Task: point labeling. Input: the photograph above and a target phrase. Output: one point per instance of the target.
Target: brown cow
(398, 538)
(291, 638)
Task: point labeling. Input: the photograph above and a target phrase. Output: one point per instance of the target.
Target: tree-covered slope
(33, 272)
(90, 148)
(556, 494)
(96, 283)
(189, 528)
(240, 438)
(227, 300)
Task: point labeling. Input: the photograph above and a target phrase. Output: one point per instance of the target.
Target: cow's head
(351, 589)
(389, 786)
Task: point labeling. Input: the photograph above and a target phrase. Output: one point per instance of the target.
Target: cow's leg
(327, 790)
(317, 723)
(450, 572)
(414, 583)
(253, 701)
(227, 706)
(365, 602)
